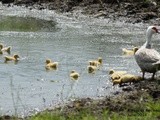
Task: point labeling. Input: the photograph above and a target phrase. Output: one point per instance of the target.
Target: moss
(150, 111)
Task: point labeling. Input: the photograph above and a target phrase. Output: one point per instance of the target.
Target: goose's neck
(148, 40)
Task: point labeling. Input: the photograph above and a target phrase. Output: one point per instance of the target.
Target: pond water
(72, 41)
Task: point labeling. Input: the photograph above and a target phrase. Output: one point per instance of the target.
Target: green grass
(111, 116)
(151, 111)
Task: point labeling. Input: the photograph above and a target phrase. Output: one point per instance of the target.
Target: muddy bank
(131, 11)
(135, 96)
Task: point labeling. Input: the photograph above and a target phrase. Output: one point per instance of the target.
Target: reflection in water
(72, 46)
(13, 23)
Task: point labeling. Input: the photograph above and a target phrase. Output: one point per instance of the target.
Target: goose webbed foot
(143, 73)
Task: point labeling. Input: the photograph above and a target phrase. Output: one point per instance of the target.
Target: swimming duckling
(127, 78)
(96, 62)
(129, 52)
(50, 64)
(11, 58)
(116, 74)
(93, 63)
(1, 52)
(74, 75)
(5, 49)
(91, 69)
(100, 60)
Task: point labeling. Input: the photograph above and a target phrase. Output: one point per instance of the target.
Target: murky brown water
(72, 42)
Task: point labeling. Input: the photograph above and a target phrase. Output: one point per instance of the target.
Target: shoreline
(133, 99)
(137, 95)
(129, 12)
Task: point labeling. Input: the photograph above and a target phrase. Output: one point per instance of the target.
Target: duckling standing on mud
(129, 52)
(127, 78)
(5, 49)
(12, 58)
(51, 65)
(114, 75)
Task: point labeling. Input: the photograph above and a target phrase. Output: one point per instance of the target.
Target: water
(71, 41)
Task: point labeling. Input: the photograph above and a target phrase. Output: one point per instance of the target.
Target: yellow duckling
(91, 69)
(93, 63)
(1, 52)
(74, 75)
(100, 60)
(127, 78)
(129, 52)
(11, 58)
(5, 49)
(96, 62)
(116, 74)
(50, 64)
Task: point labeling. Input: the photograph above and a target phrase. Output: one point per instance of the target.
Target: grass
(107, 116)
(151, 111)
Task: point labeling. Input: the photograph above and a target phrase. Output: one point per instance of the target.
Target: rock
(131, 12)
(7, 1)
(155, 94)
(51, 6)
(100, 14)
(137, 20)
(148, 15)
(128, 5)
(17, 2)
(127, 89)
(6, 117)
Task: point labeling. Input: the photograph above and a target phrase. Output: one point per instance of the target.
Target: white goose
(147, 58)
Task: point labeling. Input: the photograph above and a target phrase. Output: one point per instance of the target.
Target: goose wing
(147, 55)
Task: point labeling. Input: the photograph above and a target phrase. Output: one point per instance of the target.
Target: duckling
(93, 63)
(48, 61)
(137, 79)
(129, 52)
(100, 60)
(50, 64)
(116, 74)
(74, 75)
(1, 52)
(11, 58)
(96, 62)
(91, 69)
(127, 78)
(5, 49)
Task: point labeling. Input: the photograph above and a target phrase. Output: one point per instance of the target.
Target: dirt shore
(134, 96)
(132, 11)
